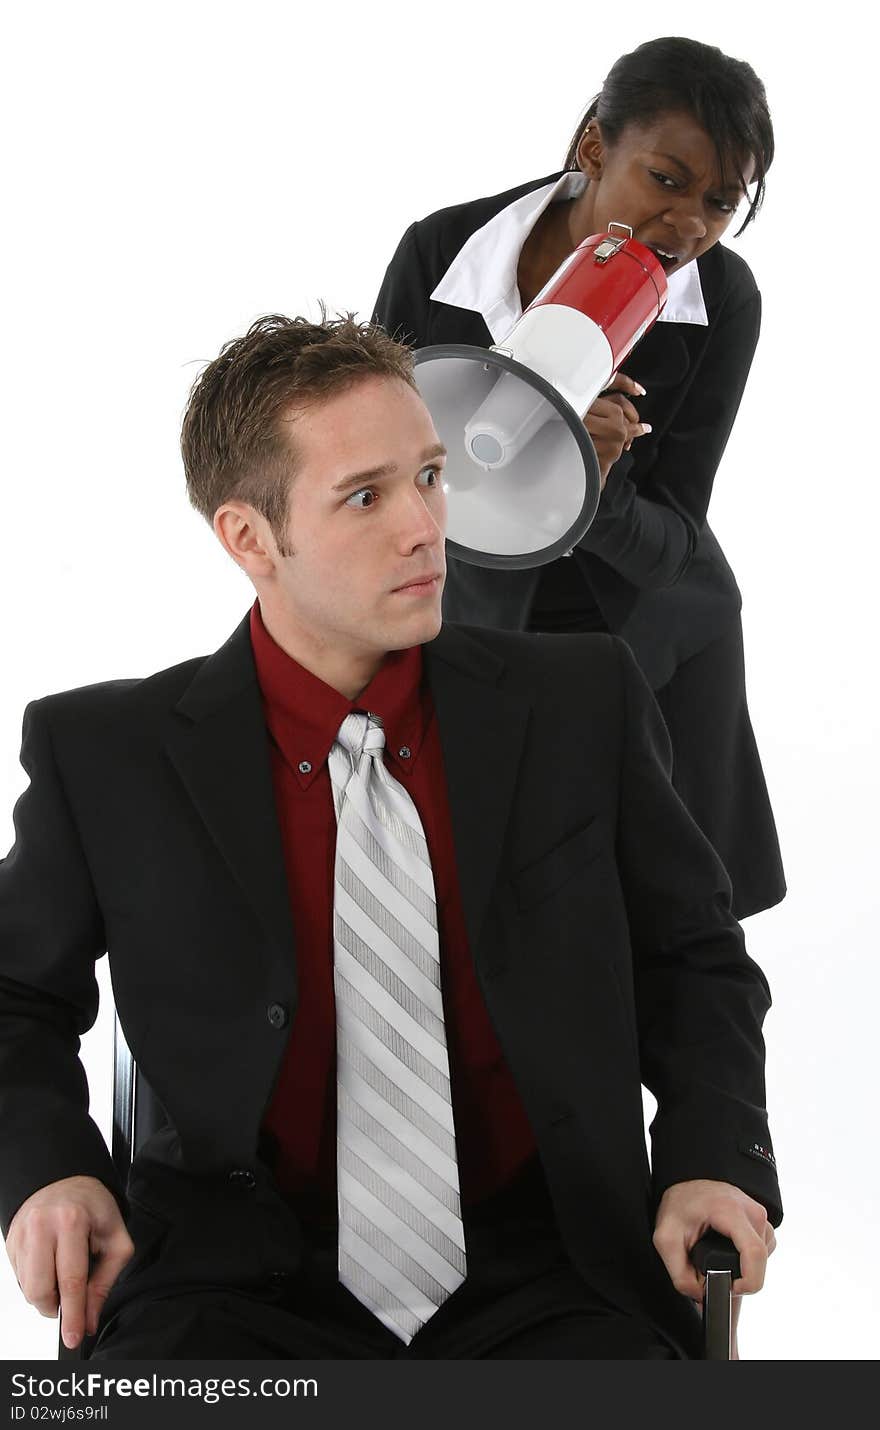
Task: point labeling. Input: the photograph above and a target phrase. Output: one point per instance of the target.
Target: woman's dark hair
(723, 95)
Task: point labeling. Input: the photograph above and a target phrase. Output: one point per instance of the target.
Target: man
(398, 915)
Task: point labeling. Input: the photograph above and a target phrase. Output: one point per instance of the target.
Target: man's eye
(432, 475)
(361, 499)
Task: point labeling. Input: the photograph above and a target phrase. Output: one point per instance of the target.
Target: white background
(173, 170)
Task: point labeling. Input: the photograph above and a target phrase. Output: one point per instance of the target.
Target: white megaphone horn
(522, 477)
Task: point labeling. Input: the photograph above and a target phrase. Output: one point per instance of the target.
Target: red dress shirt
(303, 715)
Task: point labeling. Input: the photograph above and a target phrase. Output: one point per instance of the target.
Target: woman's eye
(361, 499)
(663, 179)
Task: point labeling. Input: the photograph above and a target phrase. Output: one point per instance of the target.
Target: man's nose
(420, 527)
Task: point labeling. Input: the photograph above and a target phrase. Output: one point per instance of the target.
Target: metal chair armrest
(718, 1259)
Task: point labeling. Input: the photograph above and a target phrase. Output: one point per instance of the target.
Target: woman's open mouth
(666, 259)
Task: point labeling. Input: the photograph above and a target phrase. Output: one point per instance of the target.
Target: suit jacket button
(242, 1179)
(560, 1112)
(277, 1015)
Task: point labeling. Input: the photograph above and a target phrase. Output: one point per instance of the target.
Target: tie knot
(361, 734)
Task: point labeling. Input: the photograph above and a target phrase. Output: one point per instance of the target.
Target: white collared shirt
(482, 276)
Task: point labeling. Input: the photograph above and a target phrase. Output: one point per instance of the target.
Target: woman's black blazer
(654, 566)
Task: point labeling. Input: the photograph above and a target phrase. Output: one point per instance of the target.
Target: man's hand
(614, 424)
(68, 1243)
(687, 1209)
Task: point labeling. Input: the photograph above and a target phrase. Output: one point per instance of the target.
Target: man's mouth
(418, 583)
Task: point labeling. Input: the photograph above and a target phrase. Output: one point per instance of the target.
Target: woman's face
(663, 179)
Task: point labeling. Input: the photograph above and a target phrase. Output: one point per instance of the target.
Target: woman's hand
(614, 424)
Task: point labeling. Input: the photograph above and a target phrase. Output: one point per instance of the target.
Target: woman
(670, 146)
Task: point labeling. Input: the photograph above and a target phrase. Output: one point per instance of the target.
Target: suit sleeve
(700, 999)
(51, 932)
(647, 529)
(402, 305)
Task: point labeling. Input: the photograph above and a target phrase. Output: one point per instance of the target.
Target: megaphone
(522, 476)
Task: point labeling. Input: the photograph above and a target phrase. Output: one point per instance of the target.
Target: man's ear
(247, 537)
(591, 151)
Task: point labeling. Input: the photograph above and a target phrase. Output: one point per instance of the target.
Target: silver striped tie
(401, 1239)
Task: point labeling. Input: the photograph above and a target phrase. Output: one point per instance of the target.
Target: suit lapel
(456, 325)
(482, 729)
(219, 747)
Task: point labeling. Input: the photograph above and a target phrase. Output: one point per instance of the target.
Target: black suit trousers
(521, 1300)
(704, 707)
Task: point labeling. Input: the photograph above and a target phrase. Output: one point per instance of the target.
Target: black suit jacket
(597, 915)
(656, 569)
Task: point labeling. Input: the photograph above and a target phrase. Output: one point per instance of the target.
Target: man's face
(366, 522)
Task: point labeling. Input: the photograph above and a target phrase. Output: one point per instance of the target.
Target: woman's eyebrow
(732, 187)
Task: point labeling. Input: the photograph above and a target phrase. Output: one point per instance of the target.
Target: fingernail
(646, 427)
(641, 390)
